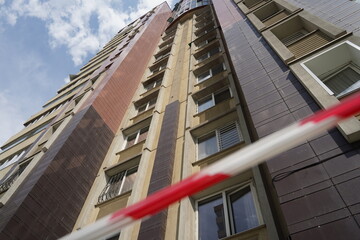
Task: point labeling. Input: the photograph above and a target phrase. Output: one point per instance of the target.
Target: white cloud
(68, 21)
(66, 80)
(11, 121)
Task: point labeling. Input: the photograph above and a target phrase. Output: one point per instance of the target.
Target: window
(119, 183)
(208, 54)
(153, 84)
(227, 213)
(218, 140)
(26, 136)
(8, 182)
(47, 113)
(12, 159)
(336, 70)
(213, 99)
(205, 42)
(211, 72)
(147, 106)
(159, 69)
(137, 137)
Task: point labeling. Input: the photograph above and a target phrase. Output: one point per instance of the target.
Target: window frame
(153, 84)
(213, 98)
(13, 158)
(205, 42)
(211, 74)
(123, 176)
(147, 105)
(225, 196)
(218, 139)
(208, 54)
(136, 141)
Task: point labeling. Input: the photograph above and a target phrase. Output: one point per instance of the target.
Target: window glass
(205, 103)
(142, 108)
(143, 134)
(203, 57)
(222, 96)
(243, 210)
(129, 179)
(217, 69)
(131, 140)
(204, 76)
(214, 51)
(118, 184)
(220, 139)
(207, 145)
(211, 219)
(227, 213)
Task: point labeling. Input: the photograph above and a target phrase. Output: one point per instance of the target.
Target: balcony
(206, 29)
(301, 35)
(248, 6)
(271, 13)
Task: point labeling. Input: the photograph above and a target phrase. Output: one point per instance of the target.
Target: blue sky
(43, 41)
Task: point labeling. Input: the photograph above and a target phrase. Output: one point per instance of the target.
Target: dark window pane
(214, 51)
(207, 145)
(142, 108)
(222, 96)
(130, 140)
(143, 134)
(204, 76)
(217, 69)
(211, 219)
(243, 210)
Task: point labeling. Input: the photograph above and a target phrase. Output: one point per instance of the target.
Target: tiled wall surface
(161, 176)
(320, 202)
(342, 13)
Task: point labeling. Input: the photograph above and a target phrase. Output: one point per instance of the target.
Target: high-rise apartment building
(177, 90)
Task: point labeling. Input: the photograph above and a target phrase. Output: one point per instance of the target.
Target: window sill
(253, 233)
(132, 147)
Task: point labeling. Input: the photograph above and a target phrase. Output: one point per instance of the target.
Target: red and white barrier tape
(228, 166)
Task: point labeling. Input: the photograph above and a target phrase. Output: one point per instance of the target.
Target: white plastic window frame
(208, 55)
(210, 70)
(217, 136)
(225, 194)
(136, 138)
(147, 106)
(213, 98)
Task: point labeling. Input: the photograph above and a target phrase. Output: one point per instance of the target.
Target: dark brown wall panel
(47, 204)
(114, 98)
(154, 228)
(312, 198)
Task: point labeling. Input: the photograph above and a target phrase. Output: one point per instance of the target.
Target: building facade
(177, 90)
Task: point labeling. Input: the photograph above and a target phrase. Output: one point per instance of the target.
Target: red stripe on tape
(163, 198)
(346, 108)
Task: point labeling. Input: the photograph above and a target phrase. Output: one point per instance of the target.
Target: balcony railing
(4, 186)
